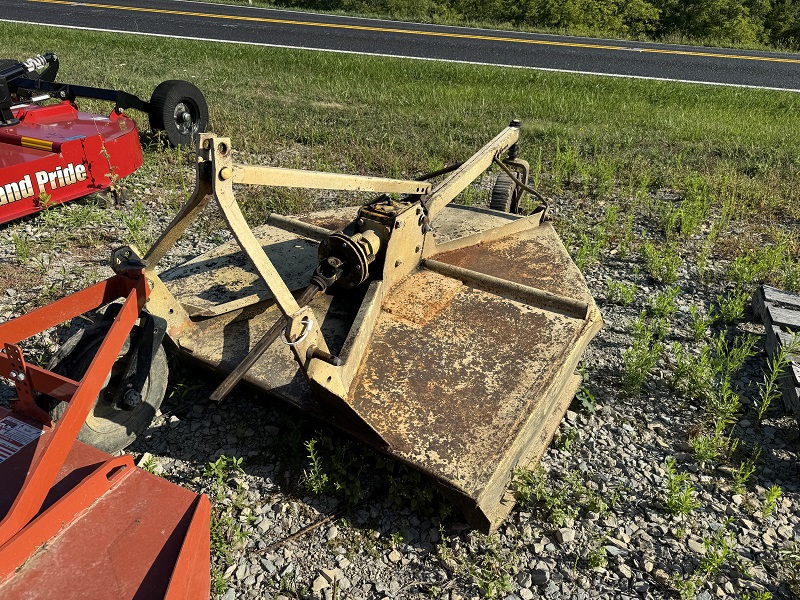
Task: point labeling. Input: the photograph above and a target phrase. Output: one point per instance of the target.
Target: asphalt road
(198, 20)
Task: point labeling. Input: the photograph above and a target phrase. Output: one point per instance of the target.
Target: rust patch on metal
(453, 394)
(333, 220)
(420, 299)
(330, 223)
(535, 257)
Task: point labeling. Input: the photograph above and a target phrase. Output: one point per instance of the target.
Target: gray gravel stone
(618, 455)
(565, 535)
(540, 575)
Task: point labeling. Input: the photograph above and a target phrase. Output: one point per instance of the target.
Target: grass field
(358, 108)
(596, 139)
(405, 116)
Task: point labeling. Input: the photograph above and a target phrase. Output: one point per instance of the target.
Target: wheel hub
(185, 118)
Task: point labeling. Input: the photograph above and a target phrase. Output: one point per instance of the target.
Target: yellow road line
(424, 33)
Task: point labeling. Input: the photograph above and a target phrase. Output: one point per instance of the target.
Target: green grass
(680, 498)
(642, 356)
(729, 153)
(400, 117)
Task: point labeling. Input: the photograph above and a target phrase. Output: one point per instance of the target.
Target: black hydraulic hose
(533, 191)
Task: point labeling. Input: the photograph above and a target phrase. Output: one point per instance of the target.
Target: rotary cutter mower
(445, 336)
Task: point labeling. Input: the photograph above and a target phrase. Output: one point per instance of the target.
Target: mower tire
(108, 428)
(502, 193)
(179, 109)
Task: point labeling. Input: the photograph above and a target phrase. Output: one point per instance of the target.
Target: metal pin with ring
(308, 324)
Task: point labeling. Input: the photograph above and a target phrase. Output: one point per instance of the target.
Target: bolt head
(131, 399)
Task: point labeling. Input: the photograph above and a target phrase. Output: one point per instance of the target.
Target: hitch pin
(319, 353)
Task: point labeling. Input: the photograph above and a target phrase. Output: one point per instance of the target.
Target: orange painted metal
(43, 471)
(192, 568)
(74, 521)
(123, 538)
(62, 513)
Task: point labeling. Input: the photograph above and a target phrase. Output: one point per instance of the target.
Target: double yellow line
(443, 34)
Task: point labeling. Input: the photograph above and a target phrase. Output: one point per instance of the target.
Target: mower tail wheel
(178, 109)
(502, 193)
(107, 427)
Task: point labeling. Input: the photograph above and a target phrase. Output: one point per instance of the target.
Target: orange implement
(75, 522)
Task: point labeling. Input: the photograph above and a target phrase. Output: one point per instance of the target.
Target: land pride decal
(42, 182)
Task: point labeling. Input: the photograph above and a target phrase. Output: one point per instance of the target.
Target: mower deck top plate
(464, 384)
(125, 545)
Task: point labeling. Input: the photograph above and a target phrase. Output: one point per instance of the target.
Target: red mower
(52, 153)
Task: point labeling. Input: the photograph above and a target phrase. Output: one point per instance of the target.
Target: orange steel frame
(80, 394)
(22, 532)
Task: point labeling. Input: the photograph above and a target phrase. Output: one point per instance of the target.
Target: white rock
(696, 545)
(565, 535)
(320, 583)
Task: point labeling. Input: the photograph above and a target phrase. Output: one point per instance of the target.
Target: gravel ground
(275, 538)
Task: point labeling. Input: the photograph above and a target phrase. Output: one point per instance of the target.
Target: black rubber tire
(502, 193)
(179, 109)
(107, 428)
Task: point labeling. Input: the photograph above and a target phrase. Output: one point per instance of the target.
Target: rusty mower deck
(444, 336)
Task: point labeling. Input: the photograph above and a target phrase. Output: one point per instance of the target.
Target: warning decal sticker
(14, 436)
